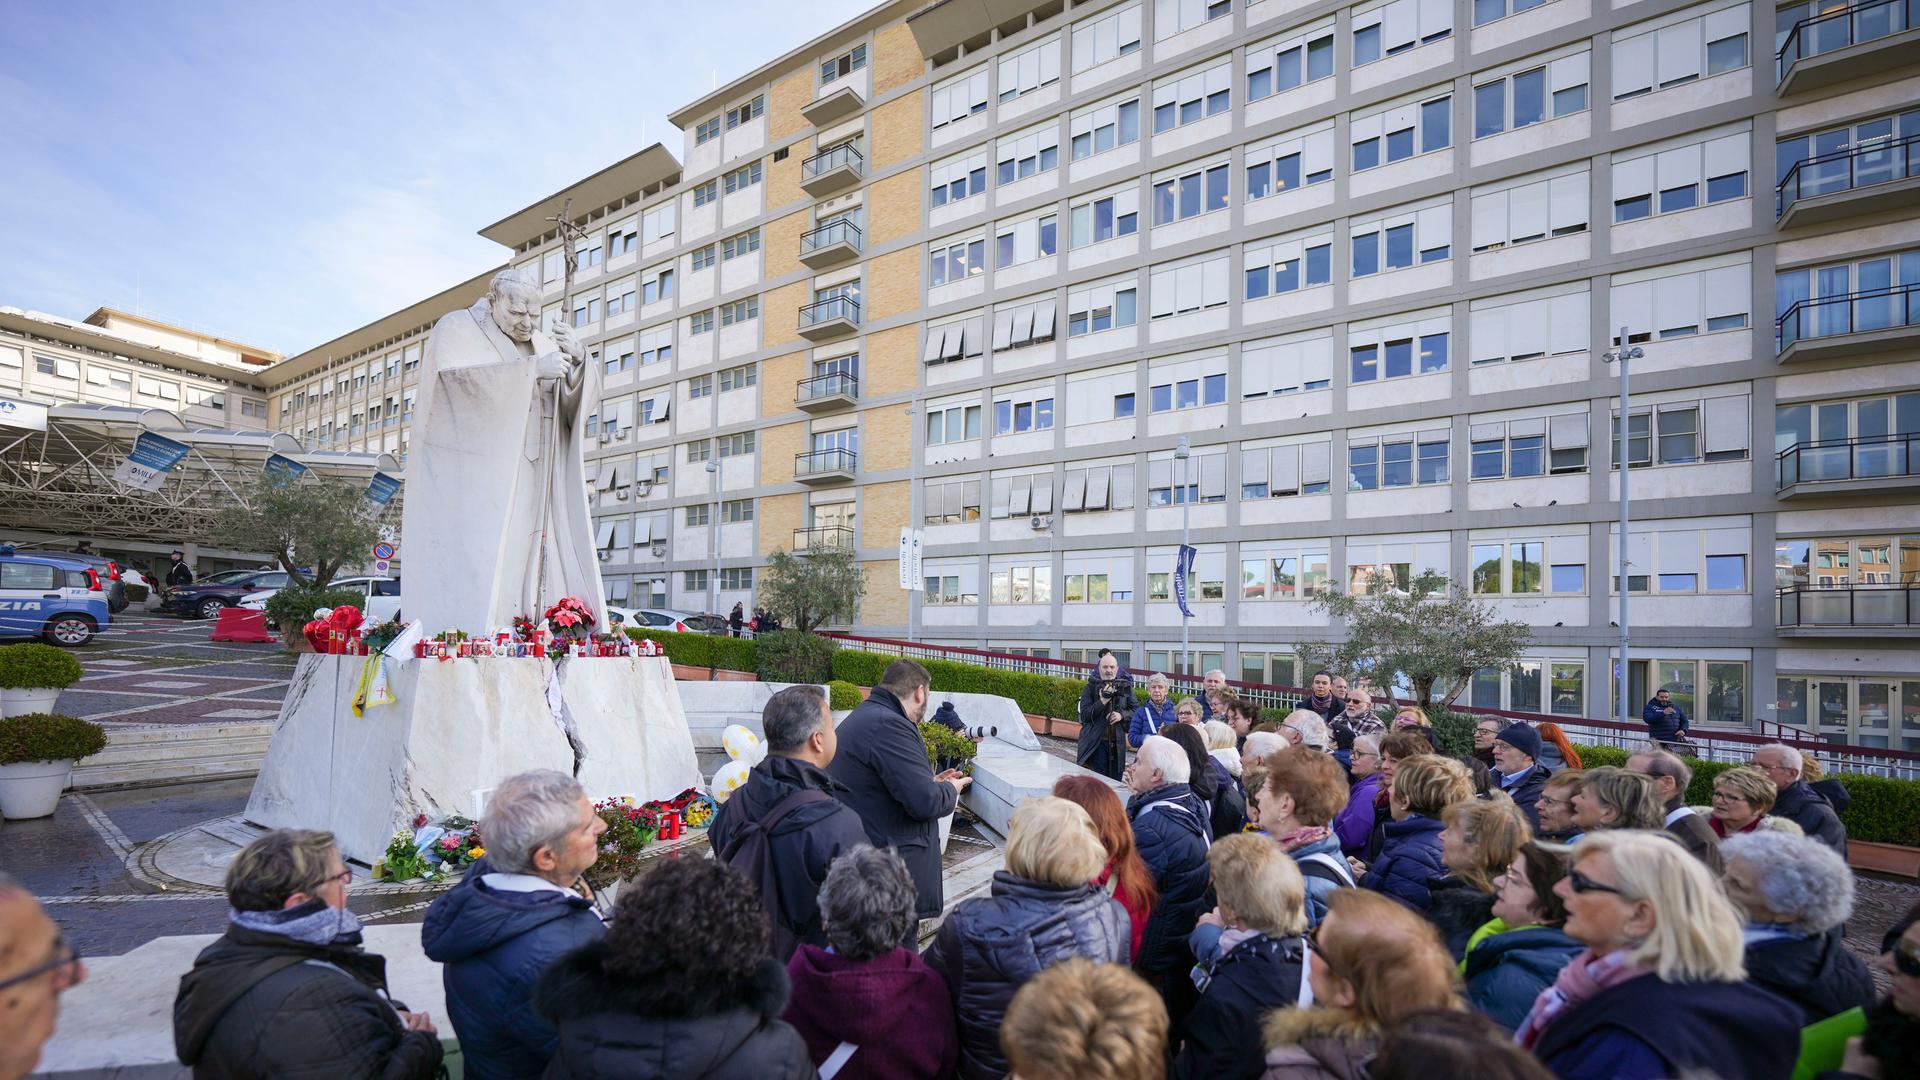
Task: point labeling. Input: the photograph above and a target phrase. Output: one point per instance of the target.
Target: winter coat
(1173, 842)
(1662, 727)
(1835, 792)
(1506, 969)
(707, 1027)
(1093, 713)
(1148, 719)
(1409, 861)
(1319, 887)
(803, 844)
(893, 1007)
(1807, 808)
(492, 944)
(1354, 824)
(1227, 806)
(1137, 915)
(1646, 1029)
(1328, 707)
(989, 946)
(1525, 792)
(1318, 1043)
(882, 765)
(259, 1004)
(1457, 909)
(1818, 973)
(1698, 837)
(1223, 1030)
(179, 575)
(1551, 758)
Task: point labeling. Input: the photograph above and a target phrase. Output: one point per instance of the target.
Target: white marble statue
(496, 521)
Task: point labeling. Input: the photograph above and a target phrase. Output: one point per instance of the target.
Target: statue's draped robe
(496, 522)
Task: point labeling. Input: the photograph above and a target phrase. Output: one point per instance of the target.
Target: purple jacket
(1354, 824)
(894, 1008)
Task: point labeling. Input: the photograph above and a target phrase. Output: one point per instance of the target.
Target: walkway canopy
(61, 479)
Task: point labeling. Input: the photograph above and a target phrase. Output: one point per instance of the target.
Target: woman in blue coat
(1521, 951)
(1152, 714)
(1410, 857)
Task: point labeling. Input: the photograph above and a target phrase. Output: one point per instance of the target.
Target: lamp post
(913, 495)
(1183, 453)
(1621, 355)
(713, 531)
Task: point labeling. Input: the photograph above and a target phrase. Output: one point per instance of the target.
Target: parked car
(59, 598)
(679, 622)
(381, 603)
(108, 570)
(204, 599)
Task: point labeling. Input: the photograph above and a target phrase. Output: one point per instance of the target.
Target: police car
(60, 599)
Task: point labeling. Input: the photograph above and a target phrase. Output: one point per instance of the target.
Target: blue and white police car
(46, 596)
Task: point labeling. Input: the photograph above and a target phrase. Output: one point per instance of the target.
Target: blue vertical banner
(382, 489)
(1182, 574)
(282, 469)
(150, 461)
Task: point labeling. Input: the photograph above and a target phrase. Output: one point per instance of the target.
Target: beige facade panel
(891, 362)
(893, 284)
(780, 516)
(778, 447)
(893, 207)
(886, 602)
(778, 378)
(789, 96)
(886, 439)
(884, 509)
(898, 129)
(896, 58)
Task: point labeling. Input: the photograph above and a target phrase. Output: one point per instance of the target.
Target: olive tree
(322, 523)
(813, 590)
(1426, 635)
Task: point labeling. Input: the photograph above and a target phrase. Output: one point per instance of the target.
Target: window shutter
(1632, 65)
(1043, 494)
(1727, 155)
(1097, 490)
(1632, 308)
(1316, 461)
(1725, 422)
(1160, 474)
(1122, 493)
(1368, 127)
(1253, 466)
(1724, 291)
(1527, 211)
(1487, 334)
(1568, 319)
(1676, 301)
(1679, 167)
(1635, 177)
(1680, 49)
(643, 531)
(1043, 320)
(1434, 226)
(1435, 16)
(1213, 476)
(1162, 290)
(1213, 282)
(1568, 72)
(1002, 495)
(1568, 431)
(1679, 551)
(1022, 325)
(1022, 495)
(1489, 219)
(1285, 474)
(604, 535)
(1073, 497)
(1567, 201)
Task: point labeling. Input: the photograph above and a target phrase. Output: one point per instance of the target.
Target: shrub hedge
(1041, 695)
(703, 650)
(49, 737)
(793, 656)
(843, 695)
(33, 666)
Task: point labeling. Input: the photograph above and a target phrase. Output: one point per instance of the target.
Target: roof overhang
(84, 336)
(409, 318)
(941, 26)
(646, 169)
(828, 43)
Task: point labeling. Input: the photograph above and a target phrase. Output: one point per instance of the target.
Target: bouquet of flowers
(380, 635)
(571, 620)
(430, 852)
(630, 829)
(524, 628)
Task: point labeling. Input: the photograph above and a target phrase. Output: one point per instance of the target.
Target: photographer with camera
(1106, 708)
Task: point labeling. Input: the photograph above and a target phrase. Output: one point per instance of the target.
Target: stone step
(157, 753)
(167, 772)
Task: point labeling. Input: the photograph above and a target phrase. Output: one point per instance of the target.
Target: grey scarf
(325, 925)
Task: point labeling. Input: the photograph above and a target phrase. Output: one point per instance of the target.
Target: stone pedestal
(1004, 774)
(456, 729)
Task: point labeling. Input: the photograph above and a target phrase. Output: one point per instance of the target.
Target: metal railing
(833, 307)
(1878, 162)
(833, 459)
(828, 160)
(830, 384)
(823, 538)
(1862, 605)
(837, 231)
(1848, 313)
(1834, 30)
(1867, 457)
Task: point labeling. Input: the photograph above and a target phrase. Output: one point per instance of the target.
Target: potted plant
(37, 752)
(947, 749)
(32, 676)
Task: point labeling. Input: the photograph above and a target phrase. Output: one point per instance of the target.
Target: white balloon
(731, 776)
(743, 745)
(322, 612)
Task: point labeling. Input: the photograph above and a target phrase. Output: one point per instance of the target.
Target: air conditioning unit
(1040, 521)
(605, 555)
(659, 549)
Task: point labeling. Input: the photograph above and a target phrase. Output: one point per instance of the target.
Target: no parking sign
(382, 552)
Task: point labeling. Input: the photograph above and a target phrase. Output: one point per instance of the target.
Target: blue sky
(283, 173)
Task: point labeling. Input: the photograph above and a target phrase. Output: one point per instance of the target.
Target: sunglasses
(1584, 884)
(1355, 701)
(64, 956)
(1905, 961)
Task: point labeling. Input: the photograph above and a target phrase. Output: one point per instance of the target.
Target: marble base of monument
(455, 729)
(1004, 774)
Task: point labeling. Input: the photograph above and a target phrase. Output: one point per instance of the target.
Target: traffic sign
(383, 551)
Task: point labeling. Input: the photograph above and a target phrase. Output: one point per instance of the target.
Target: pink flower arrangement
(571, 620)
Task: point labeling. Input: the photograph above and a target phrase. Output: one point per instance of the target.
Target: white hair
(1157, 679)
(527, 812)
(1312, 728)
(1369, 742)
(1262, 743)
(1219, 736)
(1160, 752)
(1788, 755)
(1215, 671)
(1796, 876)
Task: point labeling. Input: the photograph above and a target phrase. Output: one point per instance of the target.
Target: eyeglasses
(65, 956)
(1584, 884)
(344, 877)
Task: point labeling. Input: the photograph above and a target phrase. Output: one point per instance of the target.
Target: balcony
(825, 393)
(823, 538)
(831, 466)
(1881, 175)
(1848, 611)
(1844, 466)
(836, 169)
(834, 317)
(1852, 42)
(1827, 327)
(838, 105)
(836, 242)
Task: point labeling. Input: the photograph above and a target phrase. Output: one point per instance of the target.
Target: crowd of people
(1323, 896)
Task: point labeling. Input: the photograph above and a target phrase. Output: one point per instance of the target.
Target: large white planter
(32, 789)
(22, 702)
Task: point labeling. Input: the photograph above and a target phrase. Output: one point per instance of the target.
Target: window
(658, 224)
(707, 131)
(955, 423)
(955, 340)
(958, 178)
(1021, 585)
(1096, 489)
(1531, 447)
(61, 368)
(1684, 560)
(956, 260)
(623, 241)
(693, 581)
(1278, 472)
(1014, 415)
(1276, 67)
(1846, 298)
(1106, 37)
(947, 588)
(1188, 287)
(1019, 325)
(1100, 129)
(736, 578)
(1192, 97)
(1095, 309)
(1399, 460)
(741, 244)
(1286, 164)
(951, 502)
(1486, 11)
(843, 65)
(1397, 242)
(1202, 478)
(1286, 365)
(1170, 17)
(700, 386)
(1030, 69)
(620, 302)
(1105, 217)
(706, 193)
(586, 256)
(699, 514)
(1672, 434)
(741, 114)
(1190, 194)
(1018, 496)
(1391, 29)
(740, 311)
(1024, 241)
(703, 257)
(1683, 300)
(1529, 97)
(959, 98)
(700, 450)
(1397, 349)
(1288, 265)
(586, 309)
(1680, 52)
(1521, 567)
(1392, 566)
(741, 178)
(700, 322)
(739, 378)
(737, 445)
(1528, 211)
(1095, 397)
(1190, 384)
(1029, 154)
(1673, 179)
(1852, 159)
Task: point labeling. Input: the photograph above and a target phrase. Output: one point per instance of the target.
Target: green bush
(793, 656)
(136, 594)
(291, 608)
(702, 650)
(843, 695)
(1454, 729)
(33, 666)
(1592, 757)
(946, 748)
(48, 737)
(1040, 695)
(859, 667)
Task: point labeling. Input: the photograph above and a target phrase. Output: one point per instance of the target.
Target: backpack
(1326, 867)
(751, 853)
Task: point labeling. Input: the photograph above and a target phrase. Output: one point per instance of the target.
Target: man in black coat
(288, 990)
(1106, 711)
(812, 829)
(179, 573)
(1516, 753)
(1670, 779)
(883, 765)
(1797, 801)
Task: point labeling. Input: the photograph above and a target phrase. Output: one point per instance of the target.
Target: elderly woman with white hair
(1152, 714)
(1260, 745)
(1796, 894)
(1173, 830)
(1304, 727)
(1661, 988)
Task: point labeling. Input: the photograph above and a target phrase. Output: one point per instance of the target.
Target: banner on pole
(382, 489)
(910, 561)
(19, 413)
(152, 458)
(283, 469)
(1182, 574)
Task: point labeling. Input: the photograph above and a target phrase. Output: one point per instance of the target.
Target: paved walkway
(154, 669)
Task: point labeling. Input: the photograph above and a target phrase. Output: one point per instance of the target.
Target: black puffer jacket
(1173, 842)
(1819, 974)
(991, 945)
(701, 1028)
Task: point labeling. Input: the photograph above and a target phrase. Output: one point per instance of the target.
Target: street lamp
(913, 493)
(1621, 355)
(713, 532)
(1183, 453)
